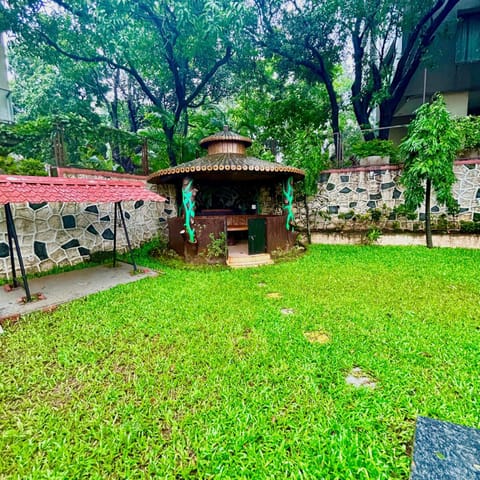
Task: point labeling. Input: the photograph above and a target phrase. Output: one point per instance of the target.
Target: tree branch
(209, 75)
(418, 41)
(103, 59)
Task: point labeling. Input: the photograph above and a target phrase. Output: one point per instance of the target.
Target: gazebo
(248, 199)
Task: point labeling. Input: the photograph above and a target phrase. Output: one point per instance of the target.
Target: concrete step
(242, 261)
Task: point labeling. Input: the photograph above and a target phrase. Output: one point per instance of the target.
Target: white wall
(5, 101)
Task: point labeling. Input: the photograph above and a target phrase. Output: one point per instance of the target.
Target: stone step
(249, 260)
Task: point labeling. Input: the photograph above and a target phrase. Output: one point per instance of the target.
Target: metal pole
(10, 248)
(126, 236)
(13, 232)
(115, 236)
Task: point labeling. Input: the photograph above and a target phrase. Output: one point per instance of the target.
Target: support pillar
(13, 238)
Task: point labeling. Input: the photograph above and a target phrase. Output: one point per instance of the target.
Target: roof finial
(225, 128)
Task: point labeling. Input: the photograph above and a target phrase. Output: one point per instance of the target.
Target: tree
(383, 41)
(173, 50)
(430, 149)
(286, 117)
(303, 35)
(52, 84)
(389, 39)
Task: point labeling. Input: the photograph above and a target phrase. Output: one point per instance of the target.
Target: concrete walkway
(65, 287)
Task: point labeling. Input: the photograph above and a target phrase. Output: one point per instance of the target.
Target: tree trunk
(332, 96)
(428, 225)
(132, 115)
(362, 119)
(386, 118)
(169, 136)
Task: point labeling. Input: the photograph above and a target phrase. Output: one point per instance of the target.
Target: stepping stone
(287, 311)
(274, 295)
(358, 378)
(444, 451)
(262, 284)
(316, 337)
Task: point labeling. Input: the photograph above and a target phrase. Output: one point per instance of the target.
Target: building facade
(6, 112)
(451, 66)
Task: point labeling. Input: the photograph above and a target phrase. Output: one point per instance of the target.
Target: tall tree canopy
(430, 148)
(382, 40)
(173, 49)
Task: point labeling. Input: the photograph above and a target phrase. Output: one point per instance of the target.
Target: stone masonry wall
(344, 195)
(58, 234)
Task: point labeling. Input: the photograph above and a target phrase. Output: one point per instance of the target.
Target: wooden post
(59, 147)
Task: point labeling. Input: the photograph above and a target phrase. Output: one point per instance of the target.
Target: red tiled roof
(19, 189)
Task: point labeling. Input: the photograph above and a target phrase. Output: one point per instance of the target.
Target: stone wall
(346, 196)
(58, 234)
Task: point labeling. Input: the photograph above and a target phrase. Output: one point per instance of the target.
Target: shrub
(217, 248)
(22, 166)
(469, 227)
(372, 236)
(469, 128)
(376, 214)
(382, 148)
(403, 211)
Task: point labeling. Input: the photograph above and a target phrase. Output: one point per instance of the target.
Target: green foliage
(217, 248)
(198, 374)
(396, 226)
(306, 151)
(85, 144)
(442, 223)
(286, 118)
(469, 128)
(172, 51)
(346, 215)
(469, 227)
(382, 148)
(403, 211)
(373, 235)
(312, 37)
(375, 214)
(416, 227)
(43, 86)
(23, 166)
(429, 150)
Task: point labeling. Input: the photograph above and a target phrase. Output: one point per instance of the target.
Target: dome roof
(226, 135)
(226, 161)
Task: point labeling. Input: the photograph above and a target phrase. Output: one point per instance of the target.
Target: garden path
(65, 287)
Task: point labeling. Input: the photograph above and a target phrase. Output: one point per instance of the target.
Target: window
(468, 38)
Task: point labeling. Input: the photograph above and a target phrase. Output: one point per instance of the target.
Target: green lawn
(198, 373)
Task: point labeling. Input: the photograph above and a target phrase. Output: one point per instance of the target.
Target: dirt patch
(274, 295)
(317, 337)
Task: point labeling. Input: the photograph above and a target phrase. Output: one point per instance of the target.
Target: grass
(199, 374)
